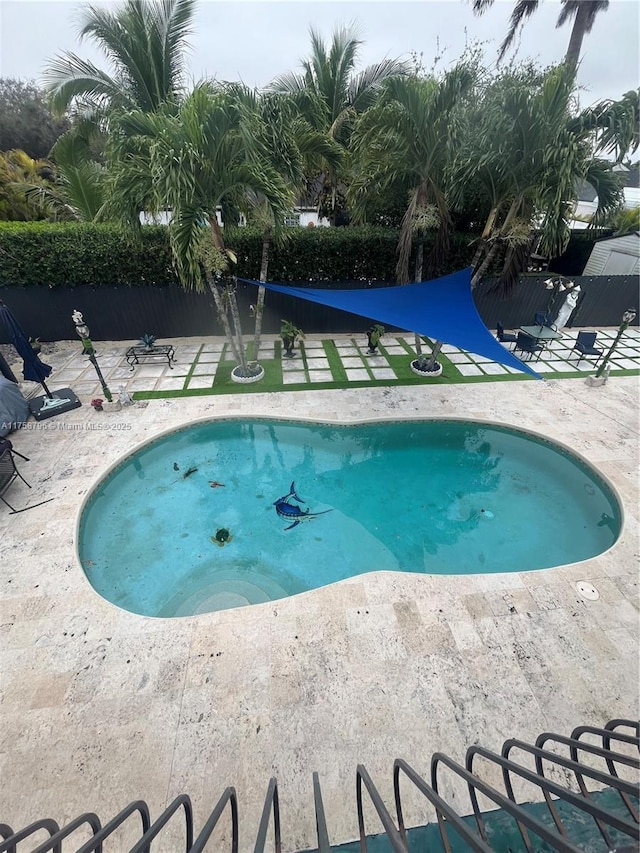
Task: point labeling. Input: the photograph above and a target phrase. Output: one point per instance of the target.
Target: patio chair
(585, 345)
(5, 444)
(504, 337)
(527, 344)
(542, 319)
(9, 473)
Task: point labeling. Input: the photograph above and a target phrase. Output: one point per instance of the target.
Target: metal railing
(573, 758)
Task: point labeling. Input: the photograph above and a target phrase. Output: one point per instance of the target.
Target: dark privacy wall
(126, 313)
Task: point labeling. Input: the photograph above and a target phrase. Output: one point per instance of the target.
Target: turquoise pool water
(235, 512)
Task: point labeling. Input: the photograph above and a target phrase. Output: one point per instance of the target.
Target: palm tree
(331, 94)
(188, 160)
(408, 139)
(583, 12)
(18, 172)
(77, 190)
(531, 152)
(291, 146)
(144, 41)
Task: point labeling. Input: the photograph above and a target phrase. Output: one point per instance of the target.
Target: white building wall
(617, 256)
(165, 218)
(300, 217)
(310, 217)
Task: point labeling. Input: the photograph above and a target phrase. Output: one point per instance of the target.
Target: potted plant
(374, 333)
(147, 341)
(289, 334)
(427, 365)
(35, 344)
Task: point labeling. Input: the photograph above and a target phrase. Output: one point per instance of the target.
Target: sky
(256, 41)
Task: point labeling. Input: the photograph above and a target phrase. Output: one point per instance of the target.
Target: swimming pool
(234, 512)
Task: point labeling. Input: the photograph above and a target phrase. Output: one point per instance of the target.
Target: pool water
(235, 512)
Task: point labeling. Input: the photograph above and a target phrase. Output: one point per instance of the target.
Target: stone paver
(101, 707)
(310, 364)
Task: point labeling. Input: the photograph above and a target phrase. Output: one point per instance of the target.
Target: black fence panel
(602, 301)
(126, 313)
(112, 313)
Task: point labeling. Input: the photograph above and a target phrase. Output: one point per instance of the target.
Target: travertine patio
(197, 363)
(101, 707)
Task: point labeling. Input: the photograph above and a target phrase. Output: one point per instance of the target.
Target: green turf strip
(272, 381)
(401, 365)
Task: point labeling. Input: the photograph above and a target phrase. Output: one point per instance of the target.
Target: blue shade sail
(442, 309)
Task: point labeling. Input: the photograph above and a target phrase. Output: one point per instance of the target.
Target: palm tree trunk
(513, 210)
(222, 316)
(264, 266)
(216, 233)
(477, 276)
(434, 355)
(236, 343)
(578, 31)
(418, 277)
(478, 253)
(486, 233)
(235, 316)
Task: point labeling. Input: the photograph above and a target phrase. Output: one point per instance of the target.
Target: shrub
(72, 254)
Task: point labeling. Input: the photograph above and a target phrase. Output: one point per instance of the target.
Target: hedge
(72, 254)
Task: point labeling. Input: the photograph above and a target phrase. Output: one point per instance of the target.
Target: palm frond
(522, 10)
(570, 9)
(480, 6)
(289, 82)
(615, 125)
(68, 77)
(364, 87)
(144, 42)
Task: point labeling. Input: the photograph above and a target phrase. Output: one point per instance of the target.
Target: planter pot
(426, 374)
(287, 346)
(236, 376)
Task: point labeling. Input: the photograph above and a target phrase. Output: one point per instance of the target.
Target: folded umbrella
(36, 371)
(33, 369)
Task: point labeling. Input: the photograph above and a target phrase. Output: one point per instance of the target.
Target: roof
(619, 237)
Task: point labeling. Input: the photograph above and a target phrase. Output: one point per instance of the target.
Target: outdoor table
(541, 333)
(136, 354)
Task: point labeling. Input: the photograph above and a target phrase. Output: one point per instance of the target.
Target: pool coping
(360, 421)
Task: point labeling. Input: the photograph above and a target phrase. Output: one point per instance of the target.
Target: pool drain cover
(587, 590)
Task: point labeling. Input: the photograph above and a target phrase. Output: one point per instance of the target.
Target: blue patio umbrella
(36, 371)
(33, 369)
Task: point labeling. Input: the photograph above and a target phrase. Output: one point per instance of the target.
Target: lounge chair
(526, 343)
(9, 473)
(585, 345)
(504, 337)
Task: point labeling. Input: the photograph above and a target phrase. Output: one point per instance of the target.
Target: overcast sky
(256, 41)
